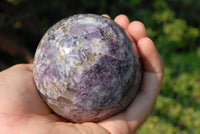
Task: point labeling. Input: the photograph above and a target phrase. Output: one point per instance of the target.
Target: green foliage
(171, 33)
(177, 107)
(174, 26)
(15, 2)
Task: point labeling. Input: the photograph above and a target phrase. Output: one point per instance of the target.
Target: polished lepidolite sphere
(86, 68)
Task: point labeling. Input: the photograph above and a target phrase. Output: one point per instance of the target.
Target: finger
(122, 20)
(105, 15)
(144, 102)
(137, 30)
(150, 56)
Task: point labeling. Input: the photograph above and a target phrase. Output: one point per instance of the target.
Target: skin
(22, 111)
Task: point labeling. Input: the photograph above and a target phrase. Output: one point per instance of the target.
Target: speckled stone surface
(86, 69)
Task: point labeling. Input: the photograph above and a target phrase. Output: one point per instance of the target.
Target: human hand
(22, 111)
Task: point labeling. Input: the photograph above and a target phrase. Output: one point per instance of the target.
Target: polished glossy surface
(85, 68)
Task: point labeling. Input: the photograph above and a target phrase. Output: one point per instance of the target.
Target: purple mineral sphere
(86, 69)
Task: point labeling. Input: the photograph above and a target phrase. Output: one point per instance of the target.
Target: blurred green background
(172, 24)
